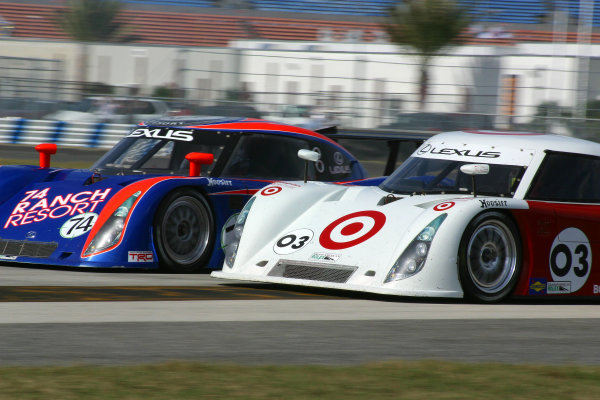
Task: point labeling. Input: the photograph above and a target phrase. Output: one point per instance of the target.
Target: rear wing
(380, 151)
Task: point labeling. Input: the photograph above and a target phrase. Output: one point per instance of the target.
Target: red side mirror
(45, 150)
(197, 159)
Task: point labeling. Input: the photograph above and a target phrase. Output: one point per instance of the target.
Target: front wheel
(489, 257)
(184, 231)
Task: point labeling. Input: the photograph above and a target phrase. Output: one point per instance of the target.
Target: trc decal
(140, 256)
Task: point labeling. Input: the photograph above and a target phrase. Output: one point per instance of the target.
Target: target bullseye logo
(351, 229)
(444, 206)
(271, 190)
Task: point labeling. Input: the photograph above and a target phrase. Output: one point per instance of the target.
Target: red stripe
(504, 133)
(261, 125)
(241, 191)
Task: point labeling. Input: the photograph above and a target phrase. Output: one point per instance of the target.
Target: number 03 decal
(571, 258)
(78, 225)
(293, 241)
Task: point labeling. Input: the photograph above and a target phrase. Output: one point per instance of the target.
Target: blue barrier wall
(76, 134)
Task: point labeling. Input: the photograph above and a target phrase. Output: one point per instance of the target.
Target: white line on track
(277, 310)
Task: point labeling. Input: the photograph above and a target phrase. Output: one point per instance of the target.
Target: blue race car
(160, 197)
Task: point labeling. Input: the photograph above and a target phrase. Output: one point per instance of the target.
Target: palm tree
(427, 26)
(91, 21)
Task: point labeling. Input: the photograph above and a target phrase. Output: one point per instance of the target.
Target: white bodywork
(348, 233)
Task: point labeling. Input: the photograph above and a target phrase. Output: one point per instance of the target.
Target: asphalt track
(72, 317)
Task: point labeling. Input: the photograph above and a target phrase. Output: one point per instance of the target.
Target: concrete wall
(365, 82)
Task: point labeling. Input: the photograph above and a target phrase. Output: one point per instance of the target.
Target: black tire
(489, 258)
(184, 231)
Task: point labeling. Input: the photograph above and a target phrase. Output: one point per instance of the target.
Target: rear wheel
(184, 231)
(490, 258)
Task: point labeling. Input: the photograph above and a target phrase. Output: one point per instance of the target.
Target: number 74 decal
(78, 225)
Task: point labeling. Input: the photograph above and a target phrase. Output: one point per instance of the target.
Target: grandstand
(216, 22)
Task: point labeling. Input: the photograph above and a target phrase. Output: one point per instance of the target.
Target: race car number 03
(293, 241)
(571, 258)
(78, 225)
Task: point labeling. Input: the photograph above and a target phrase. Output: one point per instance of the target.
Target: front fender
(136, 243)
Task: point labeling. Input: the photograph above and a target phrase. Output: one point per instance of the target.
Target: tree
(427, 26)
(91, 21)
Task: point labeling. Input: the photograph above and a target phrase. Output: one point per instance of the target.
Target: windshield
(428, 175)
(141, 155)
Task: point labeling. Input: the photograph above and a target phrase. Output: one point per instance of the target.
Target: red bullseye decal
(351, 229)
(444, 206)
(270, 190)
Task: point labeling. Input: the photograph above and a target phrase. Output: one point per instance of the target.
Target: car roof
(232, 125)
(519, 141)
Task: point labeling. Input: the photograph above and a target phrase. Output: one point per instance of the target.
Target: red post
(197, 159)
(45, 150)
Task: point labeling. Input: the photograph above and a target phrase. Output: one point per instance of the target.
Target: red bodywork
(559, 242)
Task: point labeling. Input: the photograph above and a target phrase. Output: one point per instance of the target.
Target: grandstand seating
(354, 7)
(493, 11)
(216, 29)
(37, 21)
(186, 3)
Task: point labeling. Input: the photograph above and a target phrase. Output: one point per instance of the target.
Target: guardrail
(76, 134)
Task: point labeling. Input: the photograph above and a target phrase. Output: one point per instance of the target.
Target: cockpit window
(564, 177)
(426, 175)
(147, 155)
(262, 156)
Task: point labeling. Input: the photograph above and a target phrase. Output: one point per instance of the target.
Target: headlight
(232, 241)
(110, 233)
(413, 257)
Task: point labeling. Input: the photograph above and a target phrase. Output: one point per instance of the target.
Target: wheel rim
(492, 257)
(185, 230)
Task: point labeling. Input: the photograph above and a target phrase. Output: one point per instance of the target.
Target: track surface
(65, 317)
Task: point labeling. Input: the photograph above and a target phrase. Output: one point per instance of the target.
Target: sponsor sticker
(38, 205)
(351, 229)
(338, 158)
(8, 258)
(319, 165)
(493, 203)
(444, 206)
(140, 256)
(219, 182)
(596, 289)
(428, 148)
(537, 286)
(293, 241)
(271, 190)
(162, 133)
(559, 287)
(329, 257)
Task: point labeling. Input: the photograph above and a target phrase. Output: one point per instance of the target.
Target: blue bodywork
(50, 216)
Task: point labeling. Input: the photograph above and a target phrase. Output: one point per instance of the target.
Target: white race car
(479, 214)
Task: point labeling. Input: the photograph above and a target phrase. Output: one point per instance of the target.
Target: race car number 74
(78, 225)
